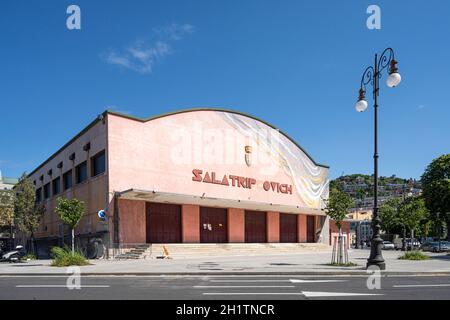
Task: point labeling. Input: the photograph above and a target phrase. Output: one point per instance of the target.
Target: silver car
(387, 245)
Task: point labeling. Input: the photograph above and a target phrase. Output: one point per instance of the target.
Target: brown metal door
(255, 227)
(310, 229)
(288, 228)
(163, 222)
(213, 225)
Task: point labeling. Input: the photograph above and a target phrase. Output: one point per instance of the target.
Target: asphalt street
(239, 287)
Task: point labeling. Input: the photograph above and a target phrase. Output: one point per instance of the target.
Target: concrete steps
(216, 249)
(230, 249)
(137, 252)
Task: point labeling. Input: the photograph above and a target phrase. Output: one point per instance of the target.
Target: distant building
(361, 232)
(7, 183)
(360, 214)
(345, 230)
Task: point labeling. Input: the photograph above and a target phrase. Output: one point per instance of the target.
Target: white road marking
(222, 287)
(59, 286)
(314, 281)
(421, 285)
(239, 281)
(251, 293)
(316, 294)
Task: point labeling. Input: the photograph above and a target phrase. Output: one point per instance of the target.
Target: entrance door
(255, 227)
(288, 228)
(213, 225)
(310, 229)
(163, 223)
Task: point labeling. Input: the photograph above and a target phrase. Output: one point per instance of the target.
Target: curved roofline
(119, 114)
(219, 110)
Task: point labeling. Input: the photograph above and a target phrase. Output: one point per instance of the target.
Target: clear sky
(296, 64)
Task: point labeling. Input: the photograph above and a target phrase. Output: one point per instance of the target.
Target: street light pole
(372, 75)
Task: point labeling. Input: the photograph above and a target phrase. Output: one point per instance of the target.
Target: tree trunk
(412, 239)
(32, 243)
(73, 241)
(448, 229)
(404, 240)
(340, 247)
(11, 238)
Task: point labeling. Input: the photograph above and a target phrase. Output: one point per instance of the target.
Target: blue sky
(296, 64)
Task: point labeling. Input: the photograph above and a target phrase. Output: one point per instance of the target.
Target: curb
(194, 274)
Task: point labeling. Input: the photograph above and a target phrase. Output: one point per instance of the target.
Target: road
(239, 287)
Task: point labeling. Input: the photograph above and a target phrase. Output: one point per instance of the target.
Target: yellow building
(360, 214)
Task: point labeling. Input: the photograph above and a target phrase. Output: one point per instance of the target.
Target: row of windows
(98, 166)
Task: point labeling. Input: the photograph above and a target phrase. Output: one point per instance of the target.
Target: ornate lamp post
(372, 76)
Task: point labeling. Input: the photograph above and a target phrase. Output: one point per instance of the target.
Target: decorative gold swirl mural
(310, 180)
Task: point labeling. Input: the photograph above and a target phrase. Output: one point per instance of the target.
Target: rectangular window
(81, 172)
(67, 180)
(47, 191)
(98, 164)
(56, 185)
(38, 195)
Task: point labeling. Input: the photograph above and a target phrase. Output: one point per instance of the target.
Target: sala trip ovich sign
(239, 182)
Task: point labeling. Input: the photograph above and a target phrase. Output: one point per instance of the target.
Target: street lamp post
(372, 75)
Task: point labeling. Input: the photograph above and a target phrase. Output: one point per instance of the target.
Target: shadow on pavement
(441, 257)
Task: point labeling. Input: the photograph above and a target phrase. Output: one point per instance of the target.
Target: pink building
(193, 176)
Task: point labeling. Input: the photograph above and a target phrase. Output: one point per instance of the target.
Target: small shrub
(414, 255)
(63, 257)
(29, 257)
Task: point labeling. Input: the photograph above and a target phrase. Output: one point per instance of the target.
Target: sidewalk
(300, 263)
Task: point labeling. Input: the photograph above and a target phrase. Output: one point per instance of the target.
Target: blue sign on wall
(102, 214)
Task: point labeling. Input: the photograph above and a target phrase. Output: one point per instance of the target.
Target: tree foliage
(70, 211)
(27, 213)
(6, 208)
(413, 212)
(337, 206)
(389, 215)
(436, 186)
(410, 214)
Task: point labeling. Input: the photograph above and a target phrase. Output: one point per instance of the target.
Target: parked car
(415, 243)
(387, 245)
(434, 246)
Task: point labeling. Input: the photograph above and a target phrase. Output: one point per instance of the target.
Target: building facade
(193, 176)
(345, 231)
(7, 183)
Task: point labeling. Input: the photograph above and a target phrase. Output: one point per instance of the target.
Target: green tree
(7, 211)
(412, 213)
(70, 211)
(6, 208)
(27, 214)
(427, 226)
(436, 189)
(337, 207)
(390, 215)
